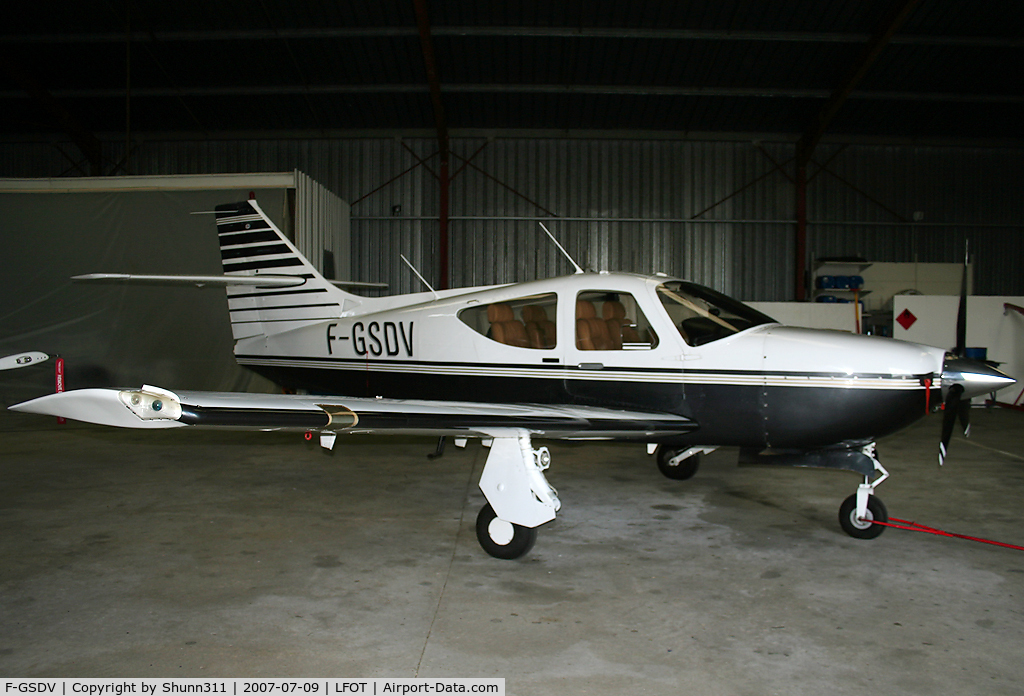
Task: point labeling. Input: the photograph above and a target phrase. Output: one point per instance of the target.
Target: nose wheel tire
(863, 528)
(503, 539)
(681, 471)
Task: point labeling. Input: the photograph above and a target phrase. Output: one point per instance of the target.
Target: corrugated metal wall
(633, 205)
(322, 225)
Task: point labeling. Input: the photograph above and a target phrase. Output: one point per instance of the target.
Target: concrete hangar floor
(197, 554)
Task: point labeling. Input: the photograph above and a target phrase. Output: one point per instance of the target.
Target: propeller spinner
(963, 378)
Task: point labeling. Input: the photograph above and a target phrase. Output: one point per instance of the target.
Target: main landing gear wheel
(503, 539)
(681, 471)
(863, 528)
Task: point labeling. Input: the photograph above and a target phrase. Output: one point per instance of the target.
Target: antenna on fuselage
(560, 248)
(422, 279)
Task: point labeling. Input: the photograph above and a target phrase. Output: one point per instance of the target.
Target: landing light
(151, 403)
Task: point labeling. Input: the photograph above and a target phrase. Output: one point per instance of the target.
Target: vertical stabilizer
(252, 245)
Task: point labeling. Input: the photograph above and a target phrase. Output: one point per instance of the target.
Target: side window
(611, 321)
(527, 322)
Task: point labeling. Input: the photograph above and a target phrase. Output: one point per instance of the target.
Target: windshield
(702, 315)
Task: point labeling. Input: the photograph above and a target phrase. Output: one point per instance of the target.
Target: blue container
(976, 353)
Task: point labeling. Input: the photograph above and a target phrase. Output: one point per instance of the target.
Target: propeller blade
(951, 407)
(964, 413)
(961, 314)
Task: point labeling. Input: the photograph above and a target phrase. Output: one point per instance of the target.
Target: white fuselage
(768, 385)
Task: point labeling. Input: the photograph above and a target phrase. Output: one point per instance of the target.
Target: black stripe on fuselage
(364, 363)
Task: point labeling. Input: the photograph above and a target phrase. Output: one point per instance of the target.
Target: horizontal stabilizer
(358, 284)
(264, 281)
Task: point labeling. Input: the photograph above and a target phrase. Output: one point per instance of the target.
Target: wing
(153, 407)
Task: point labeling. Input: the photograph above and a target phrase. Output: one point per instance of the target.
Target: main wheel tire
(503, 539)
(866, 528)
(682, 471)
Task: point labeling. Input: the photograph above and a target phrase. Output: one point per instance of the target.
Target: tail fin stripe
(241, 227)
(248, 237)
(256, 265)
(294, 320)
(249, 251)
(235, 219)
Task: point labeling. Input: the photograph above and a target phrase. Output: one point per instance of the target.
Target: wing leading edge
(156, 408)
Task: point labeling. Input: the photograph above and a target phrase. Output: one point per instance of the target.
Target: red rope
(915, 527)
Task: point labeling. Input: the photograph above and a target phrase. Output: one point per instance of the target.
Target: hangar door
(127, 335)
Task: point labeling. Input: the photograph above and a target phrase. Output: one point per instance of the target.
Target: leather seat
(591, 332)
(620, 328)
(505, 328)
(539, 329)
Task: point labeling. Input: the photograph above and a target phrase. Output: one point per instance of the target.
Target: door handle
(591, 366)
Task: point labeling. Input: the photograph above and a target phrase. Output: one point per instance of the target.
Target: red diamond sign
(906, 319)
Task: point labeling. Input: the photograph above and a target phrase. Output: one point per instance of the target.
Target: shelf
(845, 267)
(836, 291)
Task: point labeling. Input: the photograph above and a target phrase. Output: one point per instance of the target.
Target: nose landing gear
(680, 464)
(860, 512)
(862, 525)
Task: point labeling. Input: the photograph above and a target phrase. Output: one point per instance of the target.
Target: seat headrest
(613, 309)
(585, 310)
(534, 313)
(500, 311)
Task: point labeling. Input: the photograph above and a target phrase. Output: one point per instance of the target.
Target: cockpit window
(702, 315)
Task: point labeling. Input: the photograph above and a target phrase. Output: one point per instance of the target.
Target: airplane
(589, 356)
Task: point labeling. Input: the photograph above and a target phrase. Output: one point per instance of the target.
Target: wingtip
(98, 406)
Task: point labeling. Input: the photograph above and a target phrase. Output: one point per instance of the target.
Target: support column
(801, 234)
(434, 81)
(442, 245)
